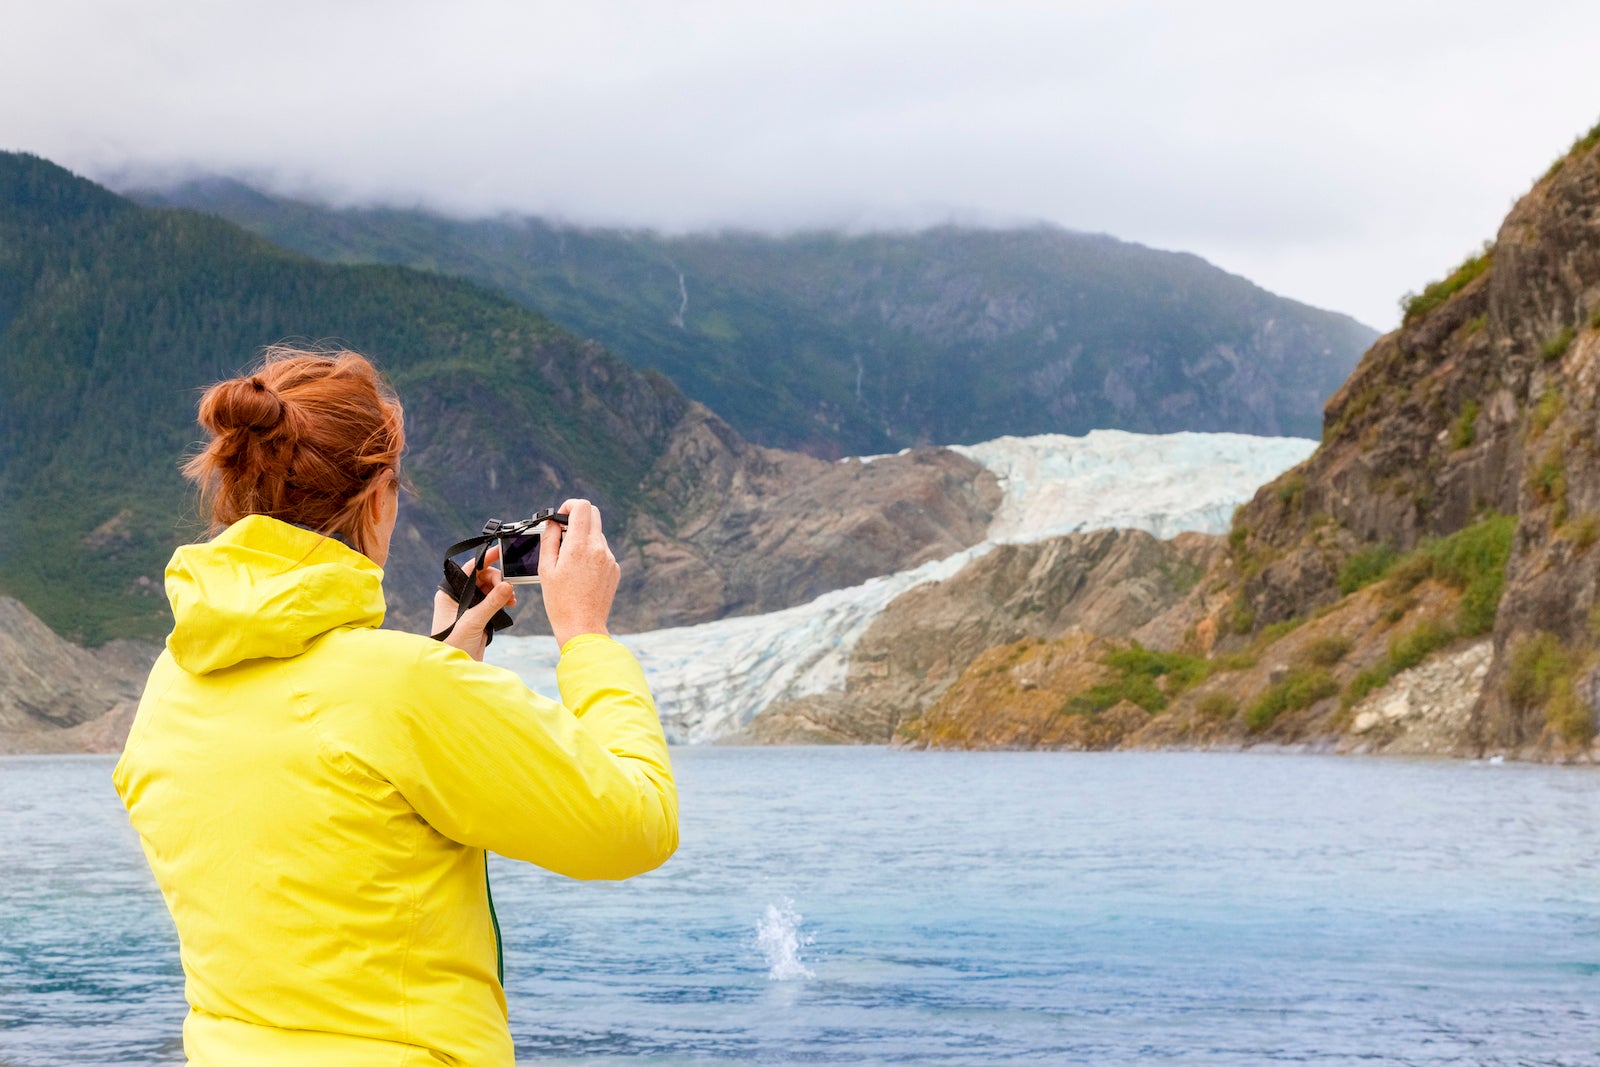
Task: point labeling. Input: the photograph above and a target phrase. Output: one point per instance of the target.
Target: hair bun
(241, 404)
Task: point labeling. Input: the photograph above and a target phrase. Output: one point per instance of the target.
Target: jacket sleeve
(583, 789)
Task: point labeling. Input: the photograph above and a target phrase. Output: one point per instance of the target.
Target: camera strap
(463, 588)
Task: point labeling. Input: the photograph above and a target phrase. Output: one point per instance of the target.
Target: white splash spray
(780, 940)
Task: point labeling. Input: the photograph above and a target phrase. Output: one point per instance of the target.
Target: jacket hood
(265, 589)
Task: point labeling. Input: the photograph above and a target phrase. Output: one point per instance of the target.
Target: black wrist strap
(463, 588)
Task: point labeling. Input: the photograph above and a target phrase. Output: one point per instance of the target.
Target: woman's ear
(378, 501)
(378, 515)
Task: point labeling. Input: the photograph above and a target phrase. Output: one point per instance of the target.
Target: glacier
(712, 678)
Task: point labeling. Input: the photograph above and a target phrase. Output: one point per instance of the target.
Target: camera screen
(519, 556)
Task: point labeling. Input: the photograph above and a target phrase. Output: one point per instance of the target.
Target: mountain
(841, 344)
(114, 317)
(1427, 581)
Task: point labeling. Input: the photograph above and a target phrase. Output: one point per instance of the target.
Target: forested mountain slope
(114, 317)
(838, 344)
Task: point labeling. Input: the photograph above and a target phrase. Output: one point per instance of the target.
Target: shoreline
(1264, 749)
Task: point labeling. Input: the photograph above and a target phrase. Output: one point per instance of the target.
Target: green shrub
(1545, 411)
(1300, 688)
(1583, 531)
(1243, 616)
(1586, 141)
(1556, 346)
(1415, 305)
(1408, 650)
(1290, 492)
(1180, 669)
(1550, 483)
(1237, 537)
(1581, 145)
(1181, 575)
(1410, 572)
(1541, 677)
(1137, 669)
(1474, 325)
(1568, 715)
(1473, 560)
(1537, 664)
(1365, 567)
(1138, 689)
(1216, 706)
(1273, 631)
(1465, 430)
(1398, 610)
(1326, 651)
(1405, 652)
(1234, 661)
(1354, 408)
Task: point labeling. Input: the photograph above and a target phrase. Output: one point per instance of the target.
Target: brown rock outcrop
(1013, 697)
(57, 697)
(1108, 582)
(724, 527)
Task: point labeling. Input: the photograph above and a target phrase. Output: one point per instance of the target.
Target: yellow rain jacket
(315, 797)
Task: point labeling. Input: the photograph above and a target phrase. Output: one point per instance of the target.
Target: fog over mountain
(844, 345)
(1331, 153)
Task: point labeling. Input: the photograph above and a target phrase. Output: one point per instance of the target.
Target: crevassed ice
(711, 679)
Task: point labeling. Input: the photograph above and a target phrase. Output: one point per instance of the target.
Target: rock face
(723, 527)
(1485, 400)
(56, 697)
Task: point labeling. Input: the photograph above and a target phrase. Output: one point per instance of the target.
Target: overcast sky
(1336, 152)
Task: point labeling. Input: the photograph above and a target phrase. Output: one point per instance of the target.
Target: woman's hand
(578, 573)
(468, 633)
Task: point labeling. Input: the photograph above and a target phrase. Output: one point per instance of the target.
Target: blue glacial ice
(711, 679)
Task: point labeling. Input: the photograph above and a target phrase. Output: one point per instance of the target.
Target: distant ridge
(849, 344)
(114, 317)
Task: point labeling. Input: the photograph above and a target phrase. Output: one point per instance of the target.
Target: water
(866, 906)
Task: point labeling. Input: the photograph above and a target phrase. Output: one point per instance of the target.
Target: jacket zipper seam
(499, 944)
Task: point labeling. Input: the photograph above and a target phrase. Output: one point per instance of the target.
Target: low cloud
(1339, 155)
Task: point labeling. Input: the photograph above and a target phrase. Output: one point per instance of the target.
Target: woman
(316, 795)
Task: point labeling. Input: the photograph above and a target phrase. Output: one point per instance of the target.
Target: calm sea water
(867, 906)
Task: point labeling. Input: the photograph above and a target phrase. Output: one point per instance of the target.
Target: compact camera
(519, 564)
(519, 544)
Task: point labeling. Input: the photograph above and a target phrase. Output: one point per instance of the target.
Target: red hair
(306, 439)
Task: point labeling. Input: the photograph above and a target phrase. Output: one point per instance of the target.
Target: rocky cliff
(1484, 401)
(1427, 581)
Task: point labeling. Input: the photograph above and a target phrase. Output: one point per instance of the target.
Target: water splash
(779, 937)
